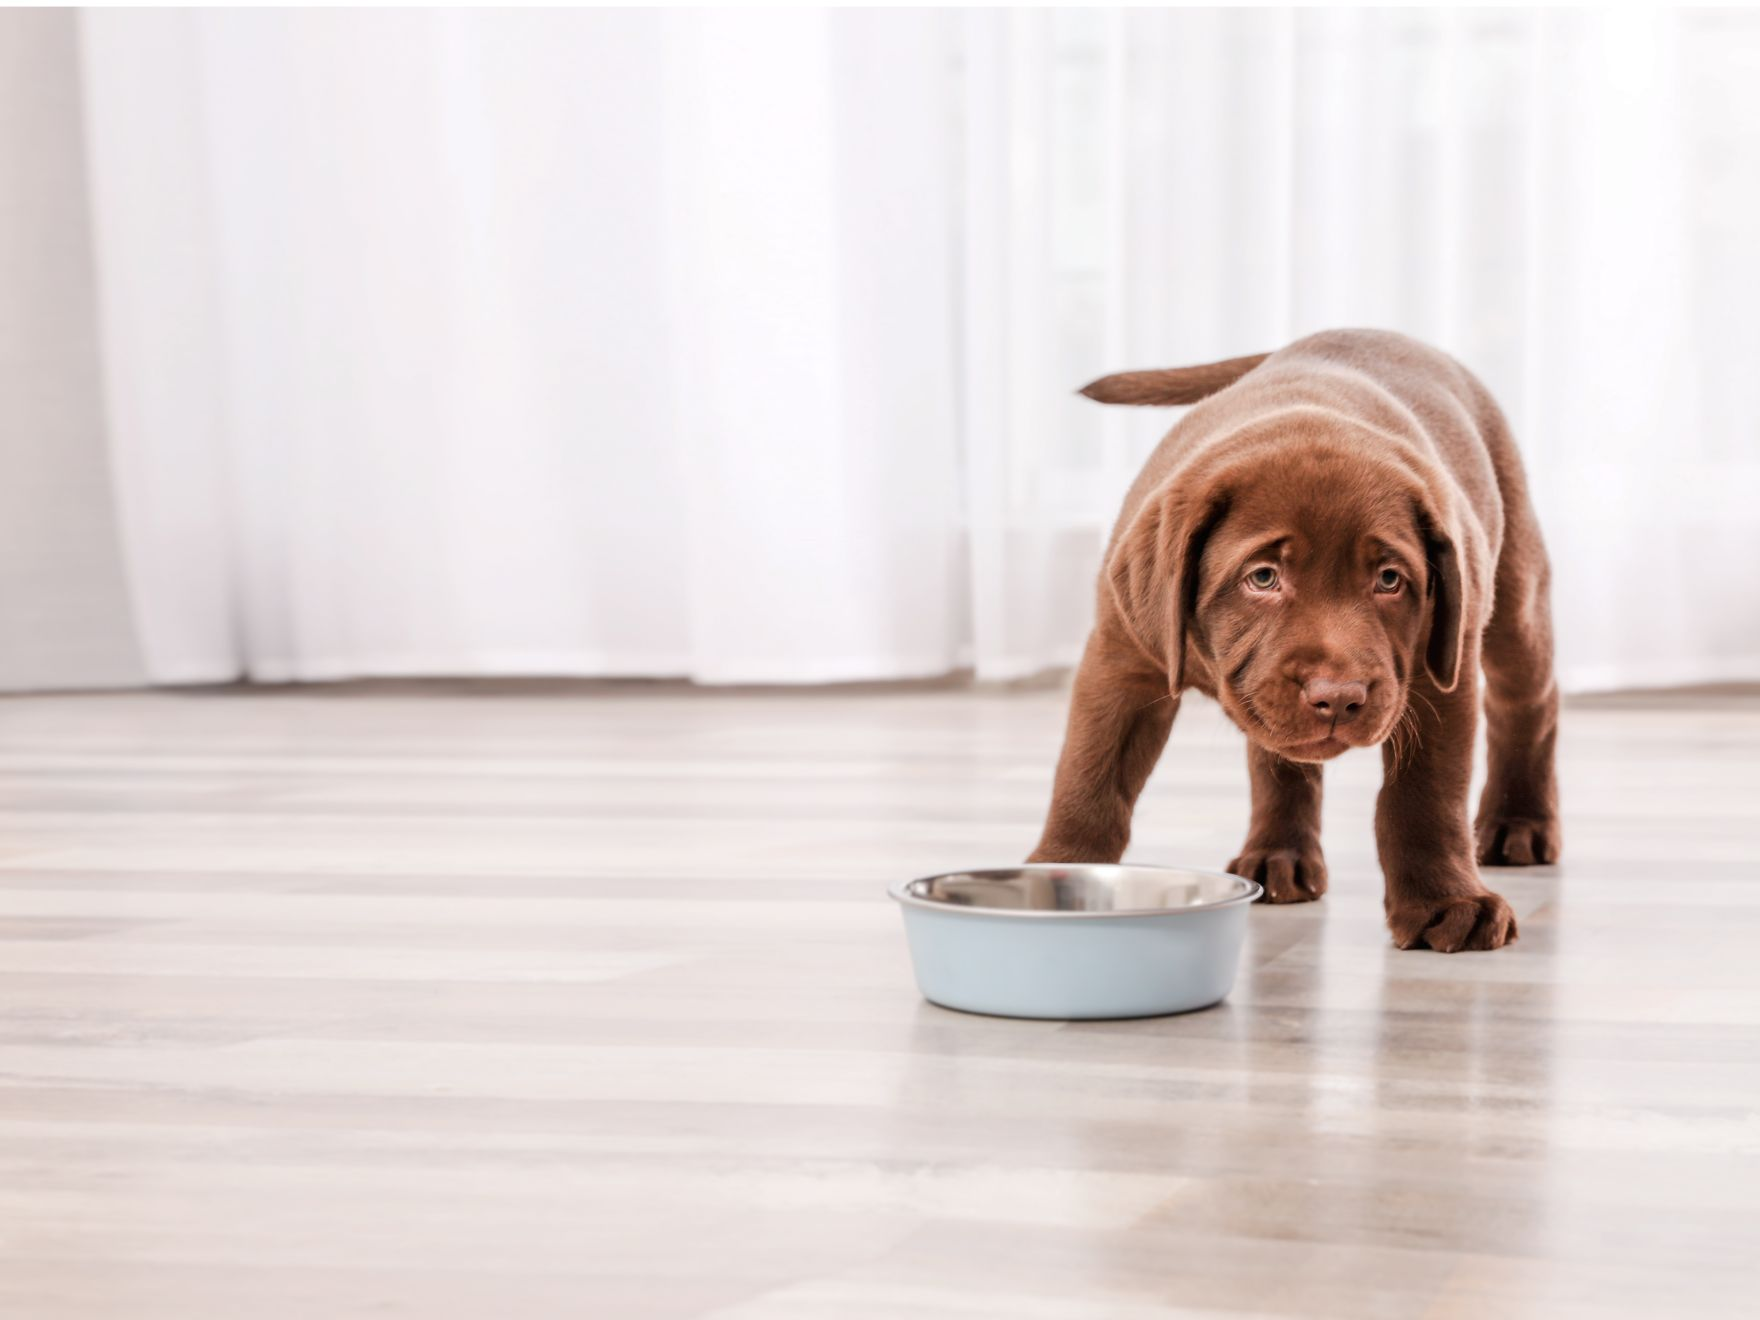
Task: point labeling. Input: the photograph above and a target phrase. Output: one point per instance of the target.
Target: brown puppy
(1328, 544)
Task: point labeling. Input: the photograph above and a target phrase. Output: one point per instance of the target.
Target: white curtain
(582, 343)
(740, 346)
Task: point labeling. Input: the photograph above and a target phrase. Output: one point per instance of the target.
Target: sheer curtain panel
(741, 346)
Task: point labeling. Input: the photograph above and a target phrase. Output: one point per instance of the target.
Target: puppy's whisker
(1428, 705)
(1252, 708)
(1403, 741)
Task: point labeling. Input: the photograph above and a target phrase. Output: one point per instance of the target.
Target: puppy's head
(1312, 582)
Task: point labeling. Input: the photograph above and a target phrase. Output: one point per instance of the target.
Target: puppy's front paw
(1518, 840)
(1290, 875)
(1448, 925)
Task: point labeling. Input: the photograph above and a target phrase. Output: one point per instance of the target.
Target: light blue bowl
(1053, 941)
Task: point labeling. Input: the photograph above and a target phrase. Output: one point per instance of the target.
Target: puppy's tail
(1171, 385)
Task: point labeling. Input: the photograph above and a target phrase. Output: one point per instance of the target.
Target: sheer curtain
(741, 346)
(1563, 199)
(583, 343)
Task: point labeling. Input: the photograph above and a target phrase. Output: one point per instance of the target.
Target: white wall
(65, 616)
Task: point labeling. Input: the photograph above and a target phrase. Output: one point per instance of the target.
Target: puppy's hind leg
(1517, 824)
(1282, 851)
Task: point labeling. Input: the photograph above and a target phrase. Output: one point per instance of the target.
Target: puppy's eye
(1388, 580)
(1262, 578)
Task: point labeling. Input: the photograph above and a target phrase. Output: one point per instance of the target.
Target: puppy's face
(1310, 582)
(1311, 608)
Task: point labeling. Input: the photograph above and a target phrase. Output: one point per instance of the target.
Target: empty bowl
(1045, 940)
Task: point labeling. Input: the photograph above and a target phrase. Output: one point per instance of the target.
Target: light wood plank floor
(586, 1001)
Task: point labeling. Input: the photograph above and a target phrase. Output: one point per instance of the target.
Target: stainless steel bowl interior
(1049, 890)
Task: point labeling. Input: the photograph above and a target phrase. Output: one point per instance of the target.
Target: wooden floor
(587, 1002)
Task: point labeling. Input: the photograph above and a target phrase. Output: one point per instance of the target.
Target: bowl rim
(900, 893)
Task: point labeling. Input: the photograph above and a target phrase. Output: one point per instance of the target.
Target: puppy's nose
(1340, 702)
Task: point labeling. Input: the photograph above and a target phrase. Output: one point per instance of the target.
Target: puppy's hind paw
(1518, 841)
(1290, 875)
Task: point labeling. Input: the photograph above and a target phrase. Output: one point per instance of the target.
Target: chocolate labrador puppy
(1329, 544)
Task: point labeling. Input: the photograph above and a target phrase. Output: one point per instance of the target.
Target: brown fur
(1332, 544)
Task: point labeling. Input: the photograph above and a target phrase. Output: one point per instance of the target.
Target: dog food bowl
(1053, 941)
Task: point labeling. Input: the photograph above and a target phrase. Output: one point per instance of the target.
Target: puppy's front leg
(1120, 713)
(1434, 896)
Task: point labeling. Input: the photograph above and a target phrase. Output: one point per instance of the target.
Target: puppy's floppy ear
(1445, 594)
(1152, 573)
